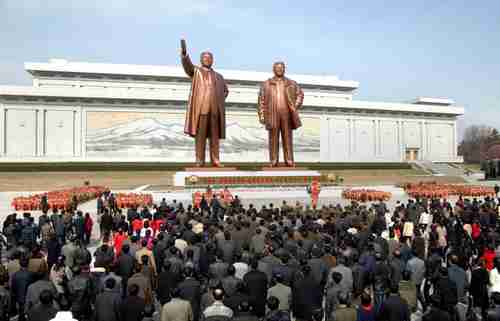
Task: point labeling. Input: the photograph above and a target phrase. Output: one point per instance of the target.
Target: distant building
(112, 112)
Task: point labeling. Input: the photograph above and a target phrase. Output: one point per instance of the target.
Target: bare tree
(477, 139)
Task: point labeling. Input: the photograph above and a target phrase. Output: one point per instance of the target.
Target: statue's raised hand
(183, 47)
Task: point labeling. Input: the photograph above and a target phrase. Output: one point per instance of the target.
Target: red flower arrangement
(365, 195)
(60, 199)
(125, 200)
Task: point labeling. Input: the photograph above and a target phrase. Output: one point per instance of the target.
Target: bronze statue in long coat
(206, 115)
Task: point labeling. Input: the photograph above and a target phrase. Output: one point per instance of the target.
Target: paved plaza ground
(163, 180)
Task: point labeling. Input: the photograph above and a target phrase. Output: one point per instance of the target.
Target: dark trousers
(20, 310)
(379, 297)
(208, 128)
(284, 130)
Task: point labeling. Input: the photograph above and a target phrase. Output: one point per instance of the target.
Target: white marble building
(111, 112)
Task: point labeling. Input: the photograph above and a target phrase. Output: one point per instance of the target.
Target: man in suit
(306, 296)
(279, 99)
(206, 115)
(257, 288)
(436, 312)
(190, 290)
(133, 307)
(108, 303)
(177, 309)
(125, 266)
(45, 310)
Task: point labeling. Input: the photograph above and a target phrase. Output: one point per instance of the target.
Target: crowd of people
(424, 259)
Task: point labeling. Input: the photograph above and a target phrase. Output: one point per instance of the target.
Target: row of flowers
(365, 195)
(59, 199)
(435, 190)
(127, 200)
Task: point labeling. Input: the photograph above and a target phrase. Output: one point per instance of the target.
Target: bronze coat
(268, 106)
(198, 99)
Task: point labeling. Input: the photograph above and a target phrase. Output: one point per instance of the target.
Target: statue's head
(206, 59)
(279, 68)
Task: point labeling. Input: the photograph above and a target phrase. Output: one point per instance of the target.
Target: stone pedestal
(224, 177)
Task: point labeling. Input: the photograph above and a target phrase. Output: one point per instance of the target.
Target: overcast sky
(397, 50)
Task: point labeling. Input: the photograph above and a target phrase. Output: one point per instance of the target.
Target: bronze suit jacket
(198, 98)
(268, 106)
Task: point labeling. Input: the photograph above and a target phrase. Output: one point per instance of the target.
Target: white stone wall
(48, 131)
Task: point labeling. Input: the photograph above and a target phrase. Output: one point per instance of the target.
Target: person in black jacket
(19, 286)
(479, 286)
(381, 280)
(436, 312)
(81, 294)
(257, 288)
(125, 266)
(108, 303)
(45, 310)
(306, 296)
(394, 307)
(133, 307)
(447, 291)
(190, 290)
(167, 281)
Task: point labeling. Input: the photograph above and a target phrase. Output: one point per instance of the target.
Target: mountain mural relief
(162, 135)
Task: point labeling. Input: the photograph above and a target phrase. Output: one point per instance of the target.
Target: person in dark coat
(53, 251)
(19, 286)
(458, 276)
(447, 290)
(479, 286)
(107, 303)
(228, 248)
(218, 269)
(435, 312)
(106, 223)
(45, 310)
(125, 266)
(230, 282)
(190, 290)
(79, 225)
(257, 288)
(381, 280)
(167, 281)
(306, 296)
(133, 307)
(237, 298)
(244, 313)
(318, 267)
(394, 307)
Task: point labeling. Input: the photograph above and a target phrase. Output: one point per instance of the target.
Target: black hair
(110, 283)
(46, 297)
(133, 290)
(273, 303)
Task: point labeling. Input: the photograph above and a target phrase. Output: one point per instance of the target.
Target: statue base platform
(284, 168)
(224, 177)
(210, 169)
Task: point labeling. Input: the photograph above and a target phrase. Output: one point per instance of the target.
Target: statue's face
(279, 69)
(207, 59)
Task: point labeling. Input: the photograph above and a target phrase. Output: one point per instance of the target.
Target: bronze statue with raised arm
(279, 100)
(206, 115)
